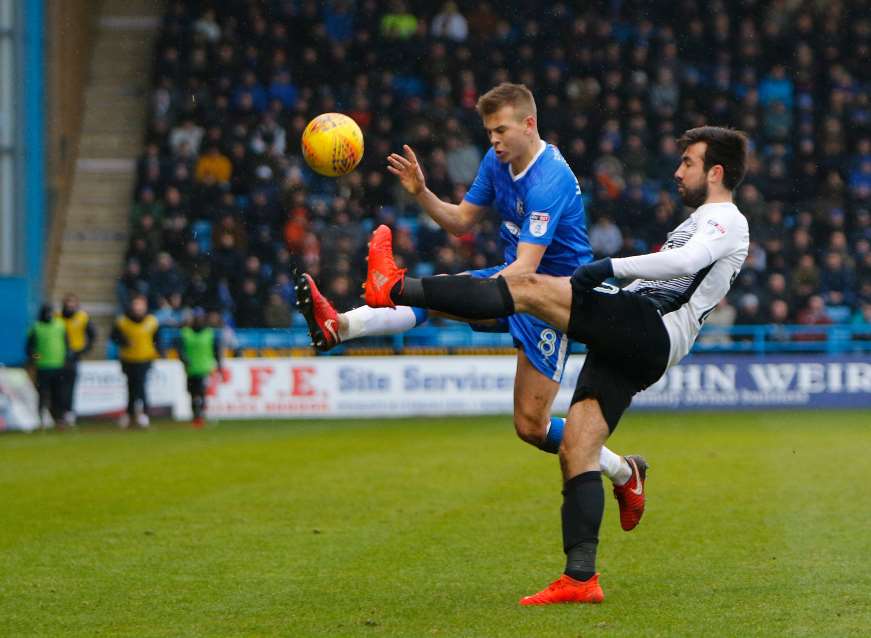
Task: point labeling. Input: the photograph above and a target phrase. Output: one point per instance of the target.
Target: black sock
(583, 507)
(411, 293)
(459, 295)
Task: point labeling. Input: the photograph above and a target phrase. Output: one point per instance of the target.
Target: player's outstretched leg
(321, 317)
(364, 321)
(630, 495)
(457, 295)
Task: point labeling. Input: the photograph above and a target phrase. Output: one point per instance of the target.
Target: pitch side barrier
(395, 386)
(452, 338)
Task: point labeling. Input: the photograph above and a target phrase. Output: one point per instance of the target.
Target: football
(332, 144)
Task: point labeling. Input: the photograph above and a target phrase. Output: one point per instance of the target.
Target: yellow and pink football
(332, 144)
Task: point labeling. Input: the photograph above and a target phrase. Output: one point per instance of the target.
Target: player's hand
(407, 170)
(590, 275)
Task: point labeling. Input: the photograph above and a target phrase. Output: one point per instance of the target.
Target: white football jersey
(692, 272)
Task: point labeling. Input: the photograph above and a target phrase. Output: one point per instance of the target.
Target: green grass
(757, 524)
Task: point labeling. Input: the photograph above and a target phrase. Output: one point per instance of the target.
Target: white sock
(614, 467)
(369, 322)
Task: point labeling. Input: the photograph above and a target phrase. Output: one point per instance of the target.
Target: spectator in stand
(837, 281)
(226, 258)
(805, 278)
(193, 262)
(148, 231)
(149, 167)
(276, 312)
(717, 325)
(450, 24)
(146, 204)
(173, 203)
(175, 236)
(207, 26)
(214, 164)
(201, 292)
(131, 283)
(813, 314)
(749, 313)
(225, 333)
(606, 239)
(778, 318)
(862, 316)
(249, 305)
(165, 279)
(188, 133)
(775, 288)
(282, 89)
(171, 312)
(340, 290)
(253, 269)
(269, 137)
(462, 159)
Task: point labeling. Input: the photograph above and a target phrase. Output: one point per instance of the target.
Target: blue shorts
(546, 347)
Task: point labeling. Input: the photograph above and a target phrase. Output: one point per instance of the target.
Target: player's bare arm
(457, 219)
(528, 259)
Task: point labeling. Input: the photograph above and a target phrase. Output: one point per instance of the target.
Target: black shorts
(627, 346)
(197, 385)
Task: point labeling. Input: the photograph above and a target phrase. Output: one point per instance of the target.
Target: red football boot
(566, 589)
(630, 495)
(383, 273)
(321, 317)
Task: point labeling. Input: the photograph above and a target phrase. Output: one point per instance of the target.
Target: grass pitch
(757, 524)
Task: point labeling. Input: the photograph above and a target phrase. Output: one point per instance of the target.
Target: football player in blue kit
(544, 230)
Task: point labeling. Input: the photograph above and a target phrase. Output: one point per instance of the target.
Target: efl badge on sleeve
(538, 224)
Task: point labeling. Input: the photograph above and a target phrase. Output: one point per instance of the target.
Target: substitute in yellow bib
(136, 333)
(80, 336)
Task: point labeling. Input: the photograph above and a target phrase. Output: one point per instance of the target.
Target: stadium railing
(455, 338)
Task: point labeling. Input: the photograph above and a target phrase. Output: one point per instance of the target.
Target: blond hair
(507, 94)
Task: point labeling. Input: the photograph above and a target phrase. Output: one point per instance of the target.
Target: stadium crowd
(225, 208)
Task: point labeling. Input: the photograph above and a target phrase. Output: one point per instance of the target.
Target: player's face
(691, 178)
(509, 133)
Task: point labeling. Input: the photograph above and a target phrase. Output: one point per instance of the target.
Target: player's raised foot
(630, 495)
(566, 589)
(383, 273)
(321, 317)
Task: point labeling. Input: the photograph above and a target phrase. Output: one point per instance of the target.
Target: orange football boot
(383, 273)
(630, 495)
(566, 589)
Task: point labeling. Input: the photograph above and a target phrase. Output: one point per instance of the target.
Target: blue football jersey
(541, 205)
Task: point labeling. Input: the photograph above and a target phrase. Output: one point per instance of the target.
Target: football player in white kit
(633, 335)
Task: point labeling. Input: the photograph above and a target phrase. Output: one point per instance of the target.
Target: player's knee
(530, 428)
(585, 432)
(522, 288)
